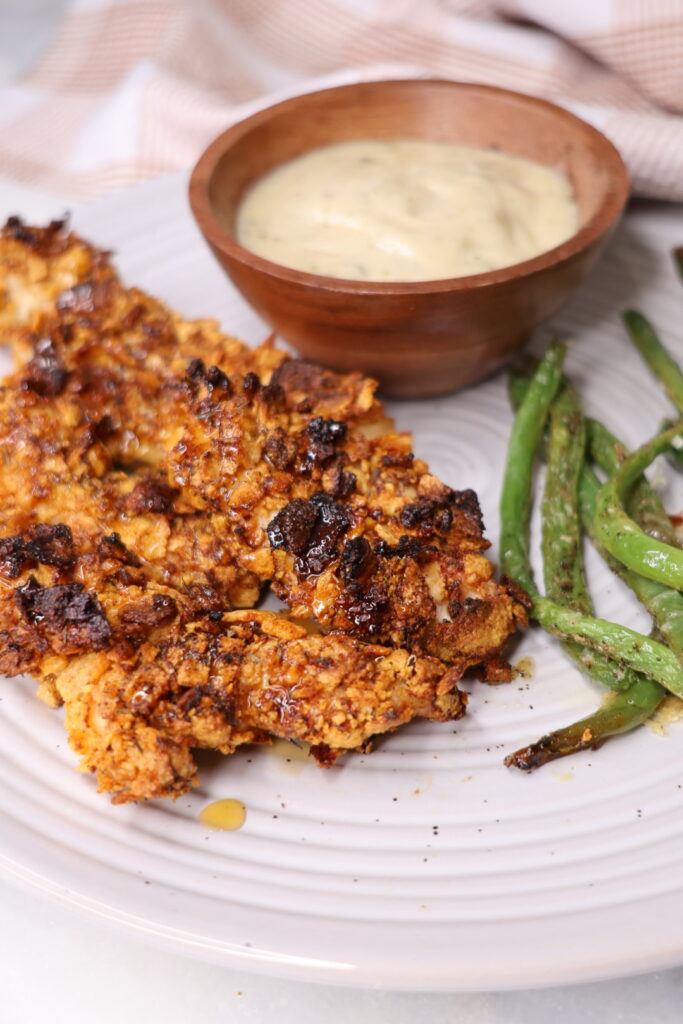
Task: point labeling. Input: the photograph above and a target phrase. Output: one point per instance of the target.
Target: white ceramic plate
(426, 865)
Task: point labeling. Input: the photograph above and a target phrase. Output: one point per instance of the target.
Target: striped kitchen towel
(131, 88)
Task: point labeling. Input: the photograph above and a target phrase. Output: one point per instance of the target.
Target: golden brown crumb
(161, 472)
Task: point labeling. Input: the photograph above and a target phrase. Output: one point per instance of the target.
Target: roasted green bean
(660, 362)
(623, 645)
(620, 535)
(567, 477)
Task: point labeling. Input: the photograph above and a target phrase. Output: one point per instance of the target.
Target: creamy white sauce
(406, 210)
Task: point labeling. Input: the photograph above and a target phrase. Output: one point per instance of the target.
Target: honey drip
(227, 815)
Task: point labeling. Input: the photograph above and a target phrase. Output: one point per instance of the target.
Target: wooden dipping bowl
(428, 337)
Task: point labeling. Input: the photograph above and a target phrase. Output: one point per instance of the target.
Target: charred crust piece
(151, 494)
(407, 547)
(213, 379)
(338, 482)
(51, 545)
(17, 656)
(467, 504)
(86, 297)
(13, 557)
(364, 608)
(298, 375)
(204, 598)
(301, 380)
(216, 380)
(98, 431)
(273, 396)
(150, 612)
(45, 374)
(112, 547)
(324, 755)
(38, 239)
(66, 609)
(399, 459)
(436, 514)
(16, 229)
(426, 516)
(516, 592)
(251, 384)
(310, 530)
(320, 439)
(333, 522)
(279, 450)
(41, 543)
(356, 558)
(292, 527)
(189, 700)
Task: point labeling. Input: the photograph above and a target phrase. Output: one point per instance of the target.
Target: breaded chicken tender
(155, 475)
(134, 717)
(327, 501)
(143, 684)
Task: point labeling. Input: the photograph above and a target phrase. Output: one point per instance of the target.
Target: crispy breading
(238, 678)
(327, 501)
(156, 473)
(143, 684)
(56, 469)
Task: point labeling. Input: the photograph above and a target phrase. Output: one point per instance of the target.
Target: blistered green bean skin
(621, 713)
(643, 503)
(561, 542)
(638, 696)
(660, 362)
(562, 539)
(621, 536)
(664, 604)
(525, 437)
(623, 645)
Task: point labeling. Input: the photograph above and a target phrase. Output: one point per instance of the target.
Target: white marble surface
(57, 966)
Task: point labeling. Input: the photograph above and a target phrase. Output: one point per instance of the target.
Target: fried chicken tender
(155, 474)
(325, 500)
(143, 684)
(233, 679)
(56, 471)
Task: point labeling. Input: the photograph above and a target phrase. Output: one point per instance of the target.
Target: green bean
(561, 535)
(637, 697)
(625, 646)
(643, 503)
(621, 713)
(660, 362)
(561, 542)
(605, 449)
(664, 604)
(525, 437)
(518, 382)
(674, 453)
(621, 536)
